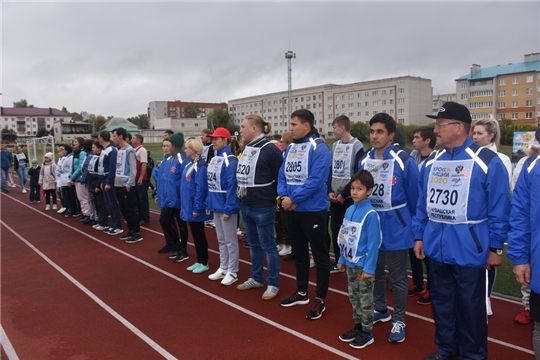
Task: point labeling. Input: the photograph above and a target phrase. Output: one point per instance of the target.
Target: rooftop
(494, 71)
(8, 111)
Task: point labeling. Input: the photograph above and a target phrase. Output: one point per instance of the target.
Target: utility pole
(289, 55)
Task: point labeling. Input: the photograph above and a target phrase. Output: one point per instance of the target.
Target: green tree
(360, 130)
(96, 121)
(23, 103)
(8, 135)
(42, 132)
(140, 120)
(191, 110)
(233, 128)
(218, 118)
(508, 127)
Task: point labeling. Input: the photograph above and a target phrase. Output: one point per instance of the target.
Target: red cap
(221, 132)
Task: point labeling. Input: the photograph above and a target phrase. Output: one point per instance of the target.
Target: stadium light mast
(289, 55)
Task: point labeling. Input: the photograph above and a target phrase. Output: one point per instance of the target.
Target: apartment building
(440, 99)
(504, 91)
(26, 122)
(177, 110)
(407, 99)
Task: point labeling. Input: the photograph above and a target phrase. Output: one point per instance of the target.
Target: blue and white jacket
(225, 202)
(467, 244)
(194, 192)
(312, 195)
(396, 224)
(524, 235)
(107, 165)
(370, 237)
(170, 176)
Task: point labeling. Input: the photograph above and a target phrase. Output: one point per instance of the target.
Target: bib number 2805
(293, 166)
(444, 196)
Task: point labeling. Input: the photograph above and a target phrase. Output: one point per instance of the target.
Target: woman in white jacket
(62, 176)
(47, 180)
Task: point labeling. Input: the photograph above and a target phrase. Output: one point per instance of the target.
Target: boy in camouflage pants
(359, 240)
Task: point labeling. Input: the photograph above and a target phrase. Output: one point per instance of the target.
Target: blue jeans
(259, 224)
(142, 201)
(111, 202)
(23, 176)
(5, 174)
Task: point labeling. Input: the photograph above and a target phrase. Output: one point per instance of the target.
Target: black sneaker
(246, 245)
(295, 299)
(135, 238)
(173, 255)
(68, 214)
(437, 356)
(166, 249)
(416, 290)
(349, 335)
(316, 310)
(425, 299)
(289, 257)
(362, 340)
(127, 236)
(334, 269)
(181, 257)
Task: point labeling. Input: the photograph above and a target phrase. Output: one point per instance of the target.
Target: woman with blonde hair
(193, 194)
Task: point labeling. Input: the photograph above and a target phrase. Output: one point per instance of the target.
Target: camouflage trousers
(361, 297)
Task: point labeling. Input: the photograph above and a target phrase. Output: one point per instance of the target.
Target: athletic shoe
(279, 247)
(173, 255)
(295, 299)
(349, 335)
(334, 269)
(209, 223)
(362, 340)
(83, 218)
(218, 275)
(12, 185)
(437, 356)
(192, 267)
(134, 239)
(246, 245)
(37, 202)
(181, 257)
(316, 310)
(488, 307)
(229, 279)
(77, 215)
(68, 214)
(143, 222)
(289, 257)
(270, 293)
(381, 316)
(54, 207)
(31, 202)
(285, 250)
(127, 236)
(425, 299)
(101, 227)
(62, 210)
(249, 284)
(113, 231)
(5, 191)
(312, 262)
(24, 191)
(416, 290)
(166, 249)
(524, 317)
(47, 207)
(200, 269)
(238, 231)
(397, 334)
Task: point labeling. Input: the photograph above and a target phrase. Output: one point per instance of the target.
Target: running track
(71, 292)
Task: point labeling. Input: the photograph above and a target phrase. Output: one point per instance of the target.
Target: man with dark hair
(141, 186)
(461, 224)
(124, 183)
(346, 152)
(107, 174)
(423, 142)
(208, 151)
(7, 161)
(394, 197)
(167, 134)
(302, 189)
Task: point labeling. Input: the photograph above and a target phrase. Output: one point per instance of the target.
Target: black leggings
(48, 194)
(168, 220)
(199, 239)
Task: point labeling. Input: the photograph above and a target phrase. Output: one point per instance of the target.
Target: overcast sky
(113, 58)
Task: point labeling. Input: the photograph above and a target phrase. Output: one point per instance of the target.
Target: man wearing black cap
(461, 224)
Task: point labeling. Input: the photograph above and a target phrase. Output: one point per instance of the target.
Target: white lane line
(100, 302)
(6, 344)
(249, 263)
(184, 282)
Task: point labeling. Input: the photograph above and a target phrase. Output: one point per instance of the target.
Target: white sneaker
(488, 307)
(311, 262)
(54, 207)
(99, 227)
(24, 191)
(62, 210)
(219, 274)
(238, 231)
(47, 207)
(270, 293)
(229, 279)
(279, 247)
(285, 250)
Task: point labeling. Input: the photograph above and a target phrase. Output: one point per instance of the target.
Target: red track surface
(132, 303)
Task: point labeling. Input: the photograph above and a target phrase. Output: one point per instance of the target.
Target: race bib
(296, 164)
(383, 176)
(245, 171)
(121, 159)
(213, 174)
(349, 238)
(341, 161)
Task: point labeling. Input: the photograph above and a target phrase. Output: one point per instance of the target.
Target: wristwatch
(496, 251)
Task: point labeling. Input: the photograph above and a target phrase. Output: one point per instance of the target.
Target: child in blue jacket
(359, 240)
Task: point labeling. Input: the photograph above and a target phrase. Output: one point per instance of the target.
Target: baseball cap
(454, 111)
(220, 132)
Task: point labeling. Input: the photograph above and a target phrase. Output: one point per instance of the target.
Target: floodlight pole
(289, 55)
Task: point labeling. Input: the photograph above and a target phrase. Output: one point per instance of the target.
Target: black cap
(454, 111)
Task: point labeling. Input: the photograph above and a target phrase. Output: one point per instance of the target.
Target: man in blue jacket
(461, 224)
(302, 188)
(107, 174)
(6, 161)
(394, 197)
(524, 237)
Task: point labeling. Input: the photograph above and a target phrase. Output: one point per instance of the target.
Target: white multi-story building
(407, 99)
(26, 122)
(440, 99)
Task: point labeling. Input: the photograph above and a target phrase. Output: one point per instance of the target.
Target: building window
(308, 98)
(502, 93)
(366, 94)
(375, 112)
(515, 92)
(401, 90)
(500, 116)
(351, 96)
(391, 91)
(374, 93)
(383, 92)
(351, 105)
(329, 107)
(375, 103)
(528, 103)
(367, 113)
(401, 101)
(359, 104)
(308, 106)
(343, 106)
(514, 116)
(464, 85)
(391, 111)
(501, 105)
(529, 91)
(502, 81)
(366, 103)
(358, 96)
(529, 78)
(359, 113)
(514, 104)
(401, 111)
(464, 96)
(384, 102)
(515, 80)
(329, 116)
(351, 114)
(391, 101)
(337, 97)
(342, 97)
(401, 121)
(528, 115)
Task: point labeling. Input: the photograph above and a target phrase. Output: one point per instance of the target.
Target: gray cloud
(114, 58)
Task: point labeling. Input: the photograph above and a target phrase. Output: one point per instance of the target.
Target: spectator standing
(63, 182)
(460, 225)
(20, 163)
(79, 155)
(88, 165)
(47, 180)
(35, 188)
(142, 179)
(209, 151)
(282, 234)
(6, 162)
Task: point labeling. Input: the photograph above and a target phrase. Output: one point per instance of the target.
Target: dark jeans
(101, 207)
(112, 207)
(199, 239)
(142, 201)
(417, 269)
(310, 228)
(34, 192)
(337, 214)
(167, 220)
(72, 199)
(127, 200)
(48, 194)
